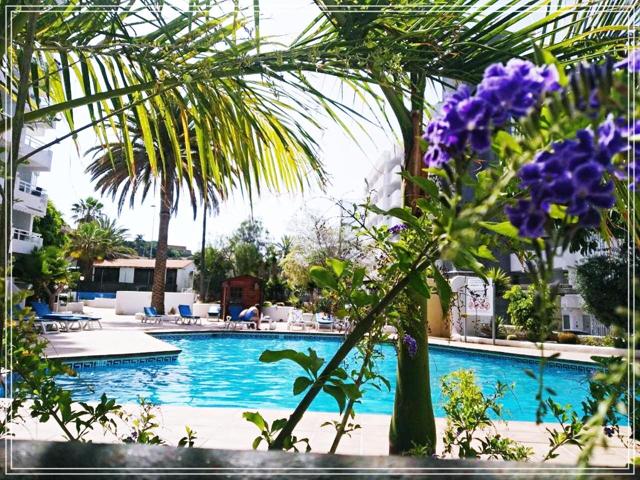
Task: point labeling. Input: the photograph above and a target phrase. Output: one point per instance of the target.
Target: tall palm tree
(95, 241)
(87, 210)
(109, 169)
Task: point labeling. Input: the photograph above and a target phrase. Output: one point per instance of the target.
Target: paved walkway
(226, 429)
(124, 335)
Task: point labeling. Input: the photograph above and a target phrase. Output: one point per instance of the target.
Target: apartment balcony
(30, 199)
(39, 162)
(23, 241)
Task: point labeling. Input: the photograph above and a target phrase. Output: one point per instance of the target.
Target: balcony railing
(30, 188)
(25, 235)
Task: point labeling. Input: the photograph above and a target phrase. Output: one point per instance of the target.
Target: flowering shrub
(506, 92)
(410, 344)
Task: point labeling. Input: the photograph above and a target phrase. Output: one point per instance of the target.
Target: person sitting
(255, 314)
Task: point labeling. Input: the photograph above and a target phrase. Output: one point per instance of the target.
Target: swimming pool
(222, 370)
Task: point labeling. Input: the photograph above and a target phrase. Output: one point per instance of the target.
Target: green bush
(521, 310)
(567, 337)
(607, 341)
(603, 283)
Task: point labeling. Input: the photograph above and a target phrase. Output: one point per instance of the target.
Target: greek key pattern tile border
(119, 362)
(471, 352)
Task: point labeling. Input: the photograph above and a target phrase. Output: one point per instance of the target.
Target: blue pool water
(224, 371)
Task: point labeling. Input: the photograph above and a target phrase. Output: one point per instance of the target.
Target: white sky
(346, 163)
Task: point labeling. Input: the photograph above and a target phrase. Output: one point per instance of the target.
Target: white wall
(277, 313)
(130, 303)
(184, 277)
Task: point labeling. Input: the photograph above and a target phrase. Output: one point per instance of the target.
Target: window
(106, 275)
(143, 276)
(235, 295)
(172, 276)
(566, 322)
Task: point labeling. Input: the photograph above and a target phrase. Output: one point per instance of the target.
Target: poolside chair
(38, 323)
(151, 315)
(309, 320)
(187, 316)
(247, 320)
(214, 312)
(295, 320)
(64, 320)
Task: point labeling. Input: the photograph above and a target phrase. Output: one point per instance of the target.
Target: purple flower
(632, 62)
(506, 92)
(396, 229)
(571, 174)
(411, 345)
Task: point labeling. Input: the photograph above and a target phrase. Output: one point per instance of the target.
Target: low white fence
(130, 303)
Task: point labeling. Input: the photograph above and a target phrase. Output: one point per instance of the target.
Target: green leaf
(301, 384)
(256, 442)
(337, 393)
(323, 278)
(428, 186)
(404, 215)
(503, 228)
(337, 266)
(483, 252)
(417, 282)
(256, 419)
(443, 288)
(310, 363)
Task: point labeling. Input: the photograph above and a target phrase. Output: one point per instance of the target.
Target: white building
(111, 276)
(384, 186)
(30, 201)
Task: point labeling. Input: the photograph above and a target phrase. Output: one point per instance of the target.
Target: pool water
(224, 371)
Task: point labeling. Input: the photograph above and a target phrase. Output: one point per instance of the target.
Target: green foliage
(218, 267)
(87, 210)
(95, 241)
(334, 383)
(522, 310)
(602, 283)
(143, 425)
(47, 270)
(570, 432)
(467, 410)
(52, 227)
(269, 433)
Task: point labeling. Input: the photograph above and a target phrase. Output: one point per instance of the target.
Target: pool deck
(123, 335)
(223, 428)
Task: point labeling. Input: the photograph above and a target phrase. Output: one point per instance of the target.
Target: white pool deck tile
(222, 428)
(226, 429)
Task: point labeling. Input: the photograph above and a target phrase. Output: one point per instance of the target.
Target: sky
(347, 163)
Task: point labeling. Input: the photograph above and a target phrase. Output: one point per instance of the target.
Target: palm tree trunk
(160, 269)
(203, 256)
(413, 421)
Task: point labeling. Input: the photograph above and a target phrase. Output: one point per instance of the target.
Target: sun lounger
(151, 315)
(241, 320)
(42, 310)
(186, 316)
(295, 320)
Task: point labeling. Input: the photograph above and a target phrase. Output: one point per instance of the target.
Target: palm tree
(95, 241)
(109, 169)
(87, 210)
(403, 52)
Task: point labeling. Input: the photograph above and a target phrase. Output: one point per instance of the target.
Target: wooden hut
(239, 293)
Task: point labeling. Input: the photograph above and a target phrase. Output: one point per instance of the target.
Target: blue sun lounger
(42, 310)
(187, 316)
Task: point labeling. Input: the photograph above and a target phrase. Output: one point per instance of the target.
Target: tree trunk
(160, 269)
(203, 256)
(413, 422)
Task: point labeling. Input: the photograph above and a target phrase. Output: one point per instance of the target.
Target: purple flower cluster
(632, 62)
(396, 229)
(506, 92)
(572, 174)
(411, 345)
